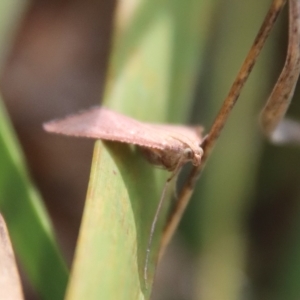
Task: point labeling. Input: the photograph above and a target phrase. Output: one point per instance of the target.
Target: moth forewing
(162, 145)
(102, 123)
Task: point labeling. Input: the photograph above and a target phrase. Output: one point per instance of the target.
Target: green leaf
(151, 77)
(29, 225)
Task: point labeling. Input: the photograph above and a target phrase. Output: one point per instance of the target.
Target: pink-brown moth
(169, 146)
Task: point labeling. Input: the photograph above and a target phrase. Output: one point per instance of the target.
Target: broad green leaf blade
(28, 223)
(113, 236)
(151, 78)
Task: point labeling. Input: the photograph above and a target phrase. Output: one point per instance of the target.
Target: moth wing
(187, 134)
(102, 123)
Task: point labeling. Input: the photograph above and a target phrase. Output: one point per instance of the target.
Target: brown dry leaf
(10, 284)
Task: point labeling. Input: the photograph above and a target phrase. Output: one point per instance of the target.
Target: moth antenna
(154, 222)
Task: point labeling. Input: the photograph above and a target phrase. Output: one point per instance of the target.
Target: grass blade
(29, 225)
(151, 77)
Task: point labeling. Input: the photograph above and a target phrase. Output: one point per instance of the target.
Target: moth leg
(174, 176)
(274, 126)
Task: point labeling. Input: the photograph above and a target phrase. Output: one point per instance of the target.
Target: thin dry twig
(220, 121)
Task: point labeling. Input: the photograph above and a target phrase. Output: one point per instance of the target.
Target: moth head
(194, 156)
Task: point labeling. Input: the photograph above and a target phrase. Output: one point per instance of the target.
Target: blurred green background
(239, 238)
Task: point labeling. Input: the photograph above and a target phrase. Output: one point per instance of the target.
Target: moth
(166, 146)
